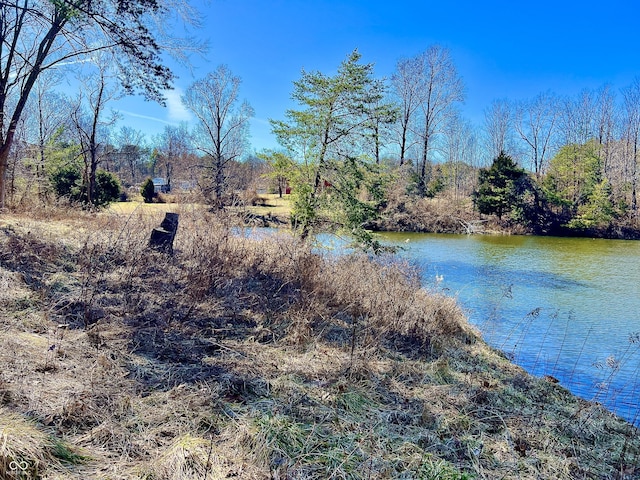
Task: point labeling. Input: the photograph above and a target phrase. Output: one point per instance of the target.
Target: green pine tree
(147, 191)
(500, 187)
(330, 177)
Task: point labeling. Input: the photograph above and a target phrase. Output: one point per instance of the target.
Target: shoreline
(118, 361)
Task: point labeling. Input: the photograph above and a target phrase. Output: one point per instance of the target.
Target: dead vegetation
(445, 213)
(255, 357)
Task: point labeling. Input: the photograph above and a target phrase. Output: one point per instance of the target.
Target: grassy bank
(260, 359)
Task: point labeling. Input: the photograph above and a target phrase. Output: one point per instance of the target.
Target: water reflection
(565, 307)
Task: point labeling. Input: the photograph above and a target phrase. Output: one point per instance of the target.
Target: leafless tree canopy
(428, 87)
(223, 121)
(536, 125)
(38, 35)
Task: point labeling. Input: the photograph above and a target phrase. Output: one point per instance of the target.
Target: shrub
(67, 182)
(147, 191)
(107, 188)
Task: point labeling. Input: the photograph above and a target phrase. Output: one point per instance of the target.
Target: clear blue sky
(502, 49)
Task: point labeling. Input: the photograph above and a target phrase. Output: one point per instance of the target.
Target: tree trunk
(403, 145)
(634, 201)
(4, 164)
(422, 182)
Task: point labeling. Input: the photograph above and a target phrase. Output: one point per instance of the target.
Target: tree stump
(162, 237)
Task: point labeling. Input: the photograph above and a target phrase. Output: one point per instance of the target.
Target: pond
(565, 307)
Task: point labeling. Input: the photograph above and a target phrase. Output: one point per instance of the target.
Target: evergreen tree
(67, 182)
(598, 211)
(147, 191)
(500, 187)
(573, 174)
(576, 187)
(107, 189)
(327, 138)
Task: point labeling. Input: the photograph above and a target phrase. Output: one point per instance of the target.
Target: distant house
(160, 185)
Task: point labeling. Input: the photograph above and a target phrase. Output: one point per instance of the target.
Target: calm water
(564, 307)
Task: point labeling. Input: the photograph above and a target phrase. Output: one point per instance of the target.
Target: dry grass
(258, 358)
(442, 214)
(129, 208)
(434, 215)
(263, 209)
(272, 204)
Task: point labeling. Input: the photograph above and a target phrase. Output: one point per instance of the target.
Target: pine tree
(147, 191)
(327, 139)
(499, 186)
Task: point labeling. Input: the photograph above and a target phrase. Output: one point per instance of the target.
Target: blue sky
(502, 49)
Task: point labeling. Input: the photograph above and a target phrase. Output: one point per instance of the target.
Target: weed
(258, 357)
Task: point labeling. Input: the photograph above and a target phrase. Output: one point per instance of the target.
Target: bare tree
(16, 164)
(173, 152)
(605, 122)
(631, 136)
(407, 88)
(441, 89)
(498, 128)
(536, 124)
(39, 35)
(128, 154)
(577, 119)
(460, 150)
(46, 116)
(223, 125)
(91, 127)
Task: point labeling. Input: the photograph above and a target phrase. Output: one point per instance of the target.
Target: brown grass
(434, 215)
(442, 214)
(250, 357)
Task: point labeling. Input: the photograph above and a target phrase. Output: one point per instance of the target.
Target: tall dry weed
(376, 300)
(229, 358)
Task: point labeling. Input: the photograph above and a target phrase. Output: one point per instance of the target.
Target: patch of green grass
(58, 283)
(356, 444)
(23, 304)
(309, 449)
(412, 462)
(354, 402)
(65, 454)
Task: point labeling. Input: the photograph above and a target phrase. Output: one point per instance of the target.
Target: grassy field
(260, 359)
(266, 205)
(271, 204)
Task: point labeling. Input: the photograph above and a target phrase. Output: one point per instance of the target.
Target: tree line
(549, 164)
(353, 141)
